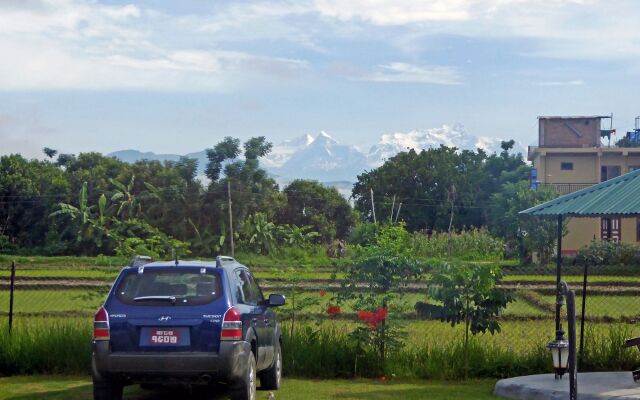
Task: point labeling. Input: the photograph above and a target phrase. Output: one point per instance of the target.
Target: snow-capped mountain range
(325, 159)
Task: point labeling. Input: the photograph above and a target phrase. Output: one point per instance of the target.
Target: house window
(609, 172)
(610, 229)
(566, 166)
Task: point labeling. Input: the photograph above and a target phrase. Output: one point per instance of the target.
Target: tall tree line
(93, 204)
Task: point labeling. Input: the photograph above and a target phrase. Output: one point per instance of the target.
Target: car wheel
(270, 378)
(247, 389)
(107, 391)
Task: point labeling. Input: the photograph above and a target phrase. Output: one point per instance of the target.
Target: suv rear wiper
(171, 299)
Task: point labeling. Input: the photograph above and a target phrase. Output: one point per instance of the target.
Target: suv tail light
(231, 325)
(101, 325)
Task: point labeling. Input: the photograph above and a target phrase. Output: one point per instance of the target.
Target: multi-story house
(571, 156)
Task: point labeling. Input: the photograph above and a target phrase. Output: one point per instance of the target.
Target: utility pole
(398, 213)
(233, 250)
(373, 208)
(393, 206)
(452, 198)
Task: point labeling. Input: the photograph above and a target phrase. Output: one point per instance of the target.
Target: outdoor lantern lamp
(560, 354)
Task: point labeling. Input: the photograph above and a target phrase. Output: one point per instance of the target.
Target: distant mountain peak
(323, 158)
(324, 138)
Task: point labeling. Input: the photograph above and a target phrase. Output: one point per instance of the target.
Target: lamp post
(563, 352)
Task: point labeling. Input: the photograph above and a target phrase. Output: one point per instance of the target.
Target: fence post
(11, 290)
(584, 305)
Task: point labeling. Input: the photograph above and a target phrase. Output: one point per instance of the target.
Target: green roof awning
(616, 197)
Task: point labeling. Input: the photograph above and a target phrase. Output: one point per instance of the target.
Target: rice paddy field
(56, 298)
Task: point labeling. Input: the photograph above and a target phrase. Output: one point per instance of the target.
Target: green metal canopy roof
(617, 196)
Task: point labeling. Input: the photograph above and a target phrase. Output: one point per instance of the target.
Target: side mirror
(276, 300)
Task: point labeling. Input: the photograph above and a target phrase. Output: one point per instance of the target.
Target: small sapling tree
(469, 294)
(375, 281)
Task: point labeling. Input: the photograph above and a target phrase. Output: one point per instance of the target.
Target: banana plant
(298, 236)
(206, 242)
(82, 212)
(127, 200)
(90, 226)
(260, 233)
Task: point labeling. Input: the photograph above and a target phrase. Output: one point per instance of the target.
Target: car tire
(107, 391)
(270, 378)
(247, 388)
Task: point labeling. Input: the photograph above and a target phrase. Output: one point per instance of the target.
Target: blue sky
(177, 76)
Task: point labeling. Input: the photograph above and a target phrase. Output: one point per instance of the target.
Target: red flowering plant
(299, 303)
(373, 282)
(333, 310)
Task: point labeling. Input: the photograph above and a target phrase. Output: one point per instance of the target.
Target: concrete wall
(580, 232)
(585, 169)
(629, 227)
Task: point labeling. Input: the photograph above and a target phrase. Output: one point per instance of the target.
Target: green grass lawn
(79, 388)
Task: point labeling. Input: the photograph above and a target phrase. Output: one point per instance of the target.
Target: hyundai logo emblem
(164, 318)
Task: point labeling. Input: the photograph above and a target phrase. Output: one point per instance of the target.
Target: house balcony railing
(566, 188)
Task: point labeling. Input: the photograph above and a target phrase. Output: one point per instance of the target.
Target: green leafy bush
(363, 234)
(604, 252)
(136, 237)
(5, 245)
(469, 245)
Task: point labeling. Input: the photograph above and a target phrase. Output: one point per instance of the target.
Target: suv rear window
(179, 287)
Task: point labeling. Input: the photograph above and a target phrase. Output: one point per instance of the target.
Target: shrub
(604, 252)
(6, 246)
(363, 234)
(470, 245)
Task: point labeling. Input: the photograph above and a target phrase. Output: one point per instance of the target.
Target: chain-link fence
(612, 303)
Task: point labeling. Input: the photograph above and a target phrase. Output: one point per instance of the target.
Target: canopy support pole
(559, 299)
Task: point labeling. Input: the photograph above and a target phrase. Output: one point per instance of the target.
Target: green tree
(49, 152)
(252, 190)
(527, 233)
(469, 294)
(29, 192)
(313, 204)
(424, 181)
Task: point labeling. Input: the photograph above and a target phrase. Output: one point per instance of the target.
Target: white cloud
(76, 44)
(575, 82)
(570, 29)
(396, 12)
(408, 73)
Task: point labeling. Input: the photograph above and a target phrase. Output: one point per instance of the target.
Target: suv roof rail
(139, 261)
(222, 259)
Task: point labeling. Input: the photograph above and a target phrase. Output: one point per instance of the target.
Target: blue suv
(197, 323)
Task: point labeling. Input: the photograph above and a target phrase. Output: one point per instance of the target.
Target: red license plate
(164, 336)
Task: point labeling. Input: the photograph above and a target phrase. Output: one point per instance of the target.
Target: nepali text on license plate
(164, 336)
